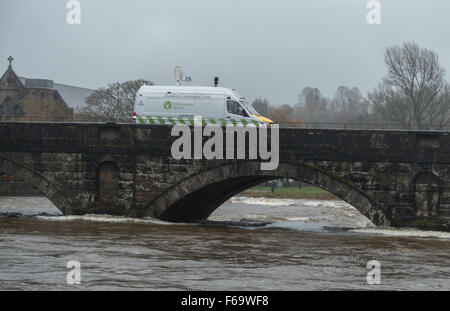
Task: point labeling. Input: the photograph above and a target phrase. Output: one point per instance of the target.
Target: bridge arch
(212, 187)
(38, 182)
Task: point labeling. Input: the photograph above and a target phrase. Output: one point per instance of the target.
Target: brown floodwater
(249, 244)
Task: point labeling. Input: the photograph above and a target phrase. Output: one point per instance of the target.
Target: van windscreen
(249, 107)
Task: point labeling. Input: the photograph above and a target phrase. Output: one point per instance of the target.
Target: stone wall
(397, 178)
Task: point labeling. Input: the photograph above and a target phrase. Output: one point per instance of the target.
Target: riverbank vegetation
(306, 192)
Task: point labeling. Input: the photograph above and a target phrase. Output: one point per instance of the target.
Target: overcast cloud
(262, 48)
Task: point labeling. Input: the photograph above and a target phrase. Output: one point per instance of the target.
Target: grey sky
(263, 48)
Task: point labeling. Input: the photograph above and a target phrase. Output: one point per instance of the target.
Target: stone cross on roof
(10, 59)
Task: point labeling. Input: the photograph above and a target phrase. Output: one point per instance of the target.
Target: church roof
(10, 80)
(74, 96)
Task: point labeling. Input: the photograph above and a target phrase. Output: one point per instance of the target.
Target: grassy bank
(311, 193)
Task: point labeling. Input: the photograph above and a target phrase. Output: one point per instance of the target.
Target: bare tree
(115, 102)
(414, 93)
(348, 105)
(443, 107)
(311, 106)
(262, 106)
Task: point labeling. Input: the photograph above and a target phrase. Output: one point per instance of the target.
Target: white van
(162, 105)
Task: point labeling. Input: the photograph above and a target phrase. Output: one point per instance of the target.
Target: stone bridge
(394, 178)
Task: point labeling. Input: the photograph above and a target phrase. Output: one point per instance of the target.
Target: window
(235, 108)
(8, 110)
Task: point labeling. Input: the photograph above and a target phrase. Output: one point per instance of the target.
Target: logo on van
(167, 105)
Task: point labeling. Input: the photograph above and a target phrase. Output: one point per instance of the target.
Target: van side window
(232, 107)
(236, 108)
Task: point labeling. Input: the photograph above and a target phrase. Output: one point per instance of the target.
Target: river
(248, 244)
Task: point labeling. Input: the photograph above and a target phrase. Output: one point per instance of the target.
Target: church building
(23, 99)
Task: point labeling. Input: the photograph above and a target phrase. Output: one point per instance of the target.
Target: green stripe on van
(171, 120)
(140, 119)
(255, 123)
(190, 121)
(161, 120)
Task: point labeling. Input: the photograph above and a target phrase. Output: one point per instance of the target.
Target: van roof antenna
(178, 74)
